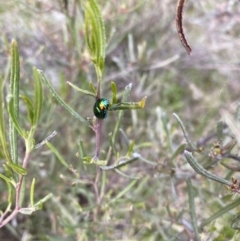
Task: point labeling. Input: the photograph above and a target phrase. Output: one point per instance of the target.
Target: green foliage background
(143, 49)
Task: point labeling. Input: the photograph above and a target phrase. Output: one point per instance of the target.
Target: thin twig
(98, 131)
(95, 184)
(179, 26)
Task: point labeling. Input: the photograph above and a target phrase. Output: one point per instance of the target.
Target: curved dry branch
(179, 26)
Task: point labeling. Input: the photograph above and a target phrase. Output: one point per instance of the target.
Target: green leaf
(8, 180)
(95, 33)
(29, 106)
(10, 192)
(43, 200)
(179, 150)
(86, 92)
(61, 101)
(14, 119)
(30, 142)
(219, 213)
(18, 169)
(32, 192)
(93, 88)
(22, 192)
(114, 92)
(192, 209)
(202, 171)
(190, 143)
(126, 93)
(14, 94)
(220, 128)
(235, 224)
(9, 174)
(130, 149)
(128, 105)
(99, 162)
(126, 176)
(59, 156)
(8, 170)
(3, 140)
(124, 191)
(39, 205)
(38, 96)
(81, 149)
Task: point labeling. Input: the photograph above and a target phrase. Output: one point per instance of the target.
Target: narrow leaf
(14, 119)
(61, 101)
(38, 96)
(22, 192)
(59, 156)
(202, 171)
(32, 192)
(81, 149)
(8, 170)
(18, 169)
(126, 176)
(10, 174)
(124, 191)
(10, 193)
(120, 114)
(142, 102)
(190, 143)
(220, 128)
(130, 149)
(114, 92)
(86, 92)
(235, 223)
(192, 208)
(93, 88)
(91, 32)
(3, 139)
(14, 94)
(8, 180)
(39, 203)
(95, 33)
(29, 106)
(219, 213)
(128, 105)
(98, 162)
(179, 150)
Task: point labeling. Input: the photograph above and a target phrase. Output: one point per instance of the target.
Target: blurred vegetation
(143, 49)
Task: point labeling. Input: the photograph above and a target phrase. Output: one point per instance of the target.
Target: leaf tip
(142, 102)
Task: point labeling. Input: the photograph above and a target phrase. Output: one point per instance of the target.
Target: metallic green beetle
(100, 108)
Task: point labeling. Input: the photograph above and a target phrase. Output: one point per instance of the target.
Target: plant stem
(98, 126)
(18, 191)
(98, 90)
(98, 130)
